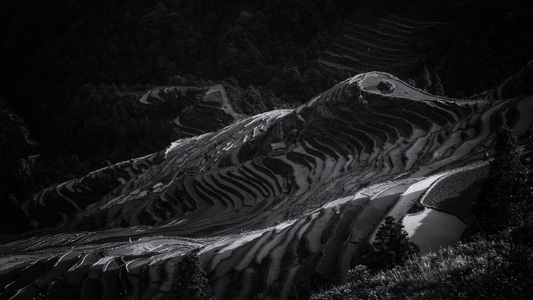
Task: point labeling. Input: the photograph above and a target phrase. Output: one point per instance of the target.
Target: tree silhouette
(424, 81)
(507, 187)
(437, 88)
(190, 282)
(391, 246)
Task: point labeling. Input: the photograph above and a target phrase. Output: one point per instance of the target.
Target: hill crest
(273, 201)
(388, 135)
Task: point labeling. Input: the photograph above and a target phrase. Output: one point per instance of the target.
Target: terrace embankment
(273, 201)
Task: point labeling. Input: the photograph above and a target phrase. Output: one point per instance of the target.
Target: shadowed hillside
(274, 203)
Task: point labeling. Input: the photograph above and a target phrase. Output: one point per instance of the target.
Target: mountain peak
(373, 87)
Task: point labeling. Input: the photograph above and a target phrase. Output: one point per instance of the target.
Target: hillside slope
(274, 201)
(387, 42)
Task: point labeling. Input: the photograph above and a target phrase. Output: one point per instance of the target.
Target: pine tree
(411, 82)
(190, 282)
(424, 82)
(437, 87)
(506, 188)
(391, 246)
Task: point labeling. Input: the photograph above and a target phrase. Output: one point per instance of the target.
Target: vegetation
(190, 282)
(497, 264)
(105, 124)
(508, 191)
(16, 168)
(64, 65)
(269, 43)
(391, 246)
(483, 269)
(263, 297)
(437, 88)
(74, 71)
(472, 54)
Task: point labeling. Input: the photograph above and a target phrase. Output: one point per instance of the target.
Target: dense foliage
(190, 282)
(474, 53)
(266, 52)
(67, 65)
(71, 43)
(506, 196)
(391, 246)
(498, 268)
(16, 168)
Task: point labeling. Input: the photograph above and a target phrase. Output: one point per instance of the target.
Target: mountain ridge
(296, 129)
(273, 202)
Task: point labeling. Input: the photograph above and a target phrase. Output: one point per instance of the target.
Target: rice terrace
(269, 150)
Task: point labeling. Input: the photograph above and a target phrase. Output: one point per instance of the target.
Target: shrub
(482, 269)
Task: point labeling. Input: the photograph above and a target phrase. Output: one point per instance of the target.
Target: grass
(482, 269)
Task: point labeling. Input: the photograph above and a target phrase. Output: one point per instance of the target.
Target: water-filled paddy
(432, 229)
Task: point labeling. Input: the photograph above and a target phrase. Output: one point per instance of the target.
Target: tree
(391, 246)
(262, 296)
(424, 81)
(437, 88)
(411, 82)
(190, 282)
(507, 187)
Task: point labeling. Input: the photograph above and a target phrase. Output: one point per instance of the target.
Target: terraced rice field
(211, 101)
(433, 229)
(264, 220)
(370, 43)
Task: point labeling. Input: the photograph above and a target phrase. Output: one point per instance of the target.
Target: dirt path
(225, 102)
